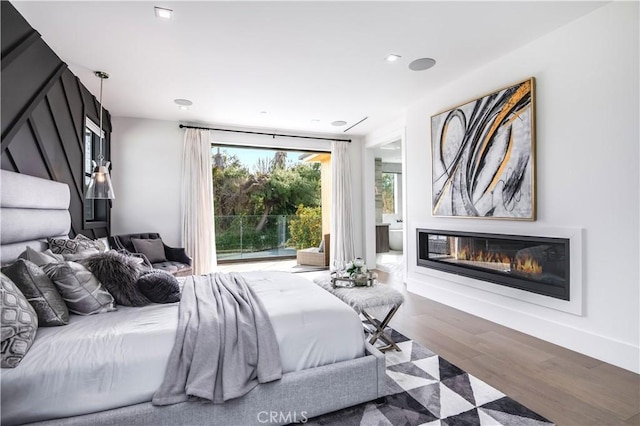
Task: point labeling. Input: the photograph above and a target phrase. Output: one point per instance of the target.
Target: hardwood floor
(566, 387)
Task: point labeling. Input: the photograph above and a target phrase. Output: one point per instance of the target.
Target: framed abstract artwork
(483, 156)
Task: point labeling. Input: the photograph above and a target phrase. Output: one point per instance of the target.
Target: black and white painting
(483, 156)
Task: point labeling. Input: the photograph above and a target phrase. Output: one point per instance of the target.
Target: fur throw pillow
(159, 286)
(118, 273)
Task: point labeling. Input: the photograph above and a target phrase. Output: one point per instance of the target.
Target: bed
(104, 369)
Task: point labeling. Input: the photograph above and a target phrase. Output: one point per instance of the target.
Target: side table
(363, 298)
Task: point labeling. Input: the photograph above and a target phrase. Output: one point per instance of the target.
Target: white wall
(587, 111)
(146, 156)
(147, 163)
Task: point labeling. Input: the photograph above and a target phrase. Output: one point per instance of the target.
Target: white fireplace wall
(587, 177)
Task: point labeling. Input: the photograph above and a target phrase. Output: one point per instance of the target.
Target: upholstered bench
(362, 299)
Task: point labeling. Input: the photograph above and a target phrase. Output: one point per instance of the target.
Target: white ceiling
(298, 61)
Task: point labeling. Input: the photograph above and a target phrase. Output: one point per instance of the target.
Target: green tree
(388, 191)
(229, 183)
(283, 189)
(306, 228)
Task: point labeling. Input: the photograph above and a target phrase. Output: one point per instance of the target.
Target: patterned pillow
(80, 289)
(19, 324)
(81, 254)
(72, 246)
(39, 291)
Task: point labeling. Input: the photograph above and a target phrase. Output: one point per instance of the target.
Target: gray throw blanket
(225, 344)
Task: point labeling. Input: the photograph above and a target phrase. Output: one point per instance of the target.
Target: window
(389, 193)
(268, 202)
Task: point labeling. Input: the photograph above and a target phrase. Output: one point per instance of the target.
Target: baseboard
(612, 351)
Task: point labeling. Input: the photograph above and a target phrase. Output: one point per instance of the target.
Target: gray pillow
(82, 254)
(41, 258)
(159, 286)
(118, 273)
(19, 324)
(152, 248)
(80, 289)
(39, 291)
(76, 245)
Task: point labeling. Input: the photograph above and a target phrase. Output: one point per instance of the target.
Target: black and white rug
(425, 389)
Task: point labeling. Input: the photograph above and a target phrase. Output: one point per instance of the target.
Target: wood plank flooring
(566, 387)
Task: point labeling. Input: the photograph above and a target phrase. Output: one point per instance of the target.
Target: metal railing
(239, 237)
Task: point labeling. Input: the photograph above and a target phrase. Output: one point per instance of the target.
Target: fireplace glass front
(536, 264)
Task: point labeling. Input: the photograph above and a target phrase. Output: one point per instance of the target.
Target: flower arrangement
(350, 274)
(356, 267)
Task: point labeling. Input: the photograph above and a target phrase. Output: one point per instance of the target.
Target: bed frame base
(295, 398)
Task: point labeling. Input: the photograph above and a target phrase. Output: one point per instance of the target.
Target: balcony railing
(238, 237)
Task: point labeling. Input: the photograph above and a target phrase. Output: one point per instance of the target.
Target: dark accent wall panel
(43, 116)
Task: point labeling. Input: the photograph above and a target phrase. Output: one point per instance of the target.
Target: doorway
(385, 217)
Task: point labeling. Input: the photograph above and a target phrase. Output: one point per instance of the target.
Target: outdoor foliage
(388, 202)
(306, 227)
(251, 206)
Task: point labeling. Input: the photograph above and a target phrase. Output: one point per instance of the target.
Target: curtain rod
(182, 126)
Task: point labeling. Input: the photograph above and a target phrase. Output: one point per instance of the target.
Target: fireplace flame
(523, 263)
(529, 266)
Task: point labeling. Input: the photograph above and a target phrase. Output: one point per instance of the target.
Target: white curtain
(342, 241)
(198, 231)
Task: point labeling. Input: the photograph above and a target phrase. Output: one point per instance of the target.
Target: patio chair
(315, 256)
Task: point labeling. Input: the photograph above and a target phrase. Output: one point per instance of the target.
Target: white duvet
(115, 359)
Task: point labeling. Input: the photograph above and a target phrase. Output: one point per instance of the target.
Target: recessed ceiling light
(263, 112)
(183, 104)
(422, 64)
(339, 123)
(163, 13)
(392, 57)
(315, 121)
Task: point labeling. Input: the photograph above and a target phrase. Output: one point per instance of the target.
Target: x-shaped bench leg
(379, 330)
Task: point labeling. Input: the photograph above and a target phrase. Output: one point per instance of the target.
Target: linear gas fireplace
(536, 264)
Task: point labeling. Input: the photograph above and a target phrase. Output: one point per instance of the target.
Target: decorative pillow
(19, 324)
(105, 244)
(152, 248)
(118, 274)
(82, 254)
(80, 289)
(76, 245)
(41, 258)
(159, 286)
(39, 291)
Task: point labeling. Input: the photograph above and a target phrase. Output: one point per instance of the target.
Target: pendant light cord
(101, 156)
(101, 75)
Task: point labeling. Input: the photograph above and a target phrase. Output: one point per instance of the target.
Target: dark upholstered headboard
(31, 210)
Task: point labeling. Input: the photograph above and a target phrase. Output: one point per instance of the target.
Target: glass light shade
(100, 187)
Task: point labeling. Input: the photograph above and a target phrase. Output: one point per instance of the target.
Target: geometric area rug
(425, 389)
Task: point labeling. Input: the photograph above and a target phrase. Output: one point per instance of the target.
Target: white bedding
(116, 359)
